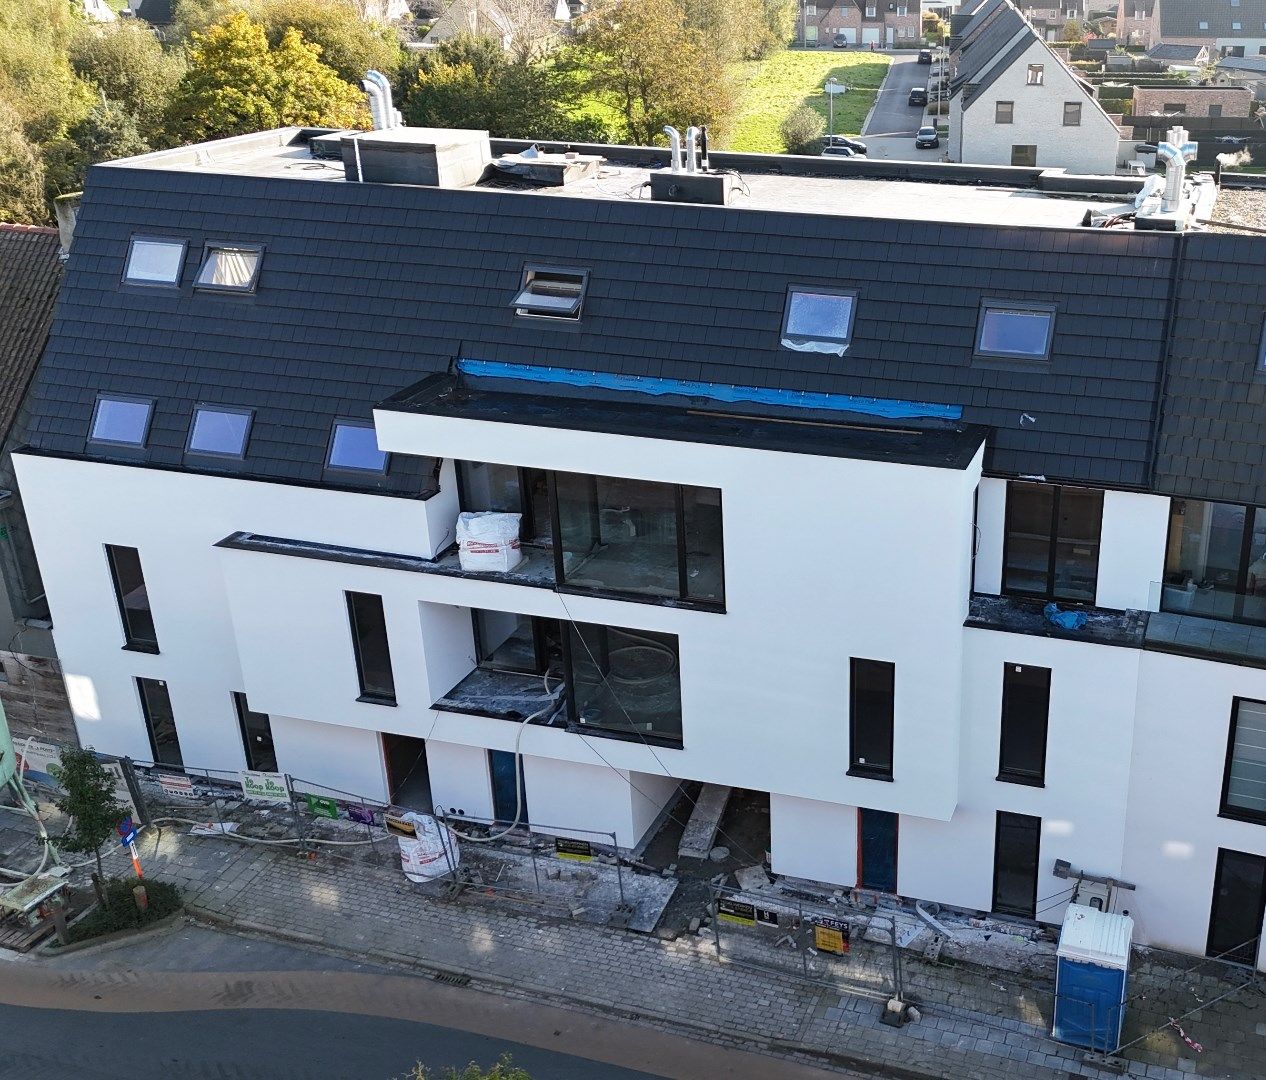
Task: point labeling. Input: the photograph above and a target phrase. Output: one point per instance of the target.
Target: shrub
(802, 130)
(164, 900)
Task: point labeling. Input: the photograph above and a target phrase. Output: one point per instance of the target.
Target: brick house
(1210, 101)
(1229, 29)
(881, 23)
(1049, 17)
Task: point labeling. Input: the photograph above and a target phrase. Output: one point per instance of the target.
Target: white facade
(1037, 119)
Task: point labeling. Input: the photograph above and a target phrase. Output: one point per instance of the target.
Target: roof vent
(687, 180)
(434, 157)
(536, 166)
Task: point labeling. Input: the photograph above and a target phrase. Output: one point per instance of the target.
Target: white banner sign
(265, 786)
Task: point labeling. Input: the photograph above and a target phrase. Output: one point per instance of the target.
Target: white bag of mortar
(422, 856)
(488, 540)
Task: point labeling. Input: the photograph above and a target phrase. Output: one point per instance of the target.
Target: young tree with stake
(89, 802)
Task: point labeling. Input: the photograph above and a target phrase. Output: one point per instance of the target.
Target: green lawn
(771, 88)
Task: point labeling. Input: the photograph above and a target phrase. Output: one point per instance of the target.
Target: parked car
(840, 41)
(925, 56)
(838, 151)
(918, 96)
(927, 139)
(856, 145)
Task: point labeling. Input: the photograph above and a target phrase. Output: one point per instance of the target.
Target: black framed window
(509, 641)
(369, 643)
(1004, 112)
(551, 293)
(1024, 155)
(354, 446)
(155, 260)
(1244, 776)
(257, 736)
(634, 538)
(818, 319)
(229, 267)
(1072, 114)
(1215, 564)
(1015, 331)
(871, 709)
(220, 431)
(1051, 546)
(160, 722)
(121, 420)
(133, 598)
(624, 681)
(1026, 696)
(1017, 840)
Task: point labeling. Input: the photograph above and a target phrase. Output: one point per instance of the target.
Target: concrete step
(701, 830)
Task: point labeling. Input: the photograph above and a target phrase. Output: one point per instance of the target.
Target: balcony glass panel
(625, 681)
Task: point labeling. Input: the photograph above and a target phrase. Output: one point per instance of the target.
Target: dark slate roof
(1105, 45)
(992, 31)
(30, 274)
(1169, 51)
(1213, 435)
(155, 12)
(367, 288)
(1182, 18)
(1243, 63)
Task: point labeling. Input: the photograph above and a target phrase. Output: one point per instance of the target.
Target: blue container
(1091, 975)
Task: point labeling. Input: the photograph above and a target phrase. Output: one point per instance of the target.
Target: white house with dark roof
(1227, 27)
(1013, 101)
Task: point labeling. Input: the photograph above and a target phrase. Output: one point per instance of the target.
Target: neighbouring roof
(1255, 64)
(1182, 18)
(1169, 51)
(1101, 44)
(30, 274)
(154, 12)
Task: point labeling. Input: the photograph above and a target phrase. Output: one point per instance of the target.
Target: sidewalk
(680, 986)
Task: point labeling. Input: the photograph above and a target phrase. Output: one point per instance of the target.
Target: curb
(114, 940)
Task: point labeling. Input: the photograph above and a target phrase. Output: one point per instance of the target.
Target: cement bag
(488, 541)
(422, 856)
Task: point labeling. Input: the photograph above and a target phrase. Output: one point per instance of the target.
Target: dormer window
(354, 445)
(548, 293)
(229, 267)
(153, 260)
(818, 319)
(121, 421)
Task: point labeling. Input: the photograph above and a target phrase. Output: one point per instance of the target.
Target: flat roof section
(835, 187)
(941, 444)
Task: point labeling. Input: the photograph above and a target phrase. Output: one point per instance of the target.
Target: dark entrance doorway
(1239, 899)
(408, 778)
(501, 767)
(877, 850)
(1017, 842)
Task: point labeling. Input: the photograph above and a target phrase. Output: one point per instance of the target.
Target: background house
(1237, 29)
(887, 23)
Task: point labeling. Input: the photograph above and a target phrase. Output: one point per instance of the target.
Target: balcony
(507, 695)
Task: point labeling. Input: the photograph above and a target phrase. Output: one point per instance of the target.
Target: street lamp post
(830, 96)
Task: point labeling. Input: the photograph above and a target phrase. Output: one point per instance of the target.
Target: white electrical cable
(262, 840)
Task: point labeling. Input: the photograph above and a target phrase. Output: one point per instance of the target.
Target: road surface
(892, 125)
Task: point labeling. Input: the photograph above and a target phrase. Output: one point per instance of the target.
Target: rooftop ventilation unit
(686, 181)
(536, 166)
(433, 157)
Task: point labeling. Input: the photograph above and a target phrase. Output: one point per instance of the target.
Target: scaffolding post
(619, 875)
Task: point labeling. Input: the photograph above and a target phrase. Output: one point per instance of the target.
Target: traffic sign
(128, 839)
(125, 826)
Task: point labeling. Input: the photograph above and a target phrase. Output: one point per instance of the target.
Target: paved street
(892, 125)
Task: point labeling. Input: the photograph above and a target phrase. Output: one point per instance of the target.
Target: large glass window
(132, 598)
(122, 421)
(1026, 694)
(508, 641)
(257, 736)
(870, 718)
(1017, 841)
(373, 655)
(160, 722)
(631, 537)
(1244, 781)
(625, 681)
(1052, 542)
(1215, 565)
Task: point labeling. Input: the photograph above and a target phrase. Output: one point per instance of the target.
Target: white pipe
(674, 147)
(384, 87)
(374, 92)
(692, 156)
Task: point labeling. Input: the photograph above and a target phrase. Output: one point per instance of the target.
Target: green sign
(320, 806)
(265, 786)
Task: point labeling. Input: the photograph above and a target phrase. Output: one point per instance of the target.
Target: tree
(642, 57)
(88, 801)
(504, 1069)
(108, 132)
(235, 84)
(36, 79)
(125, 62)
(735, 29)
(534, 32)
(1072, 31)
(802, 130)
(21, 173)
(780, 26)
(934, 28)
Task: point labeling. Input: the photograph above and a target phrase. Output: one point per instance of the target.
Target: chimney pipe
(674, 147)
(66, 207)
(374, 92)
(389, 115)
(692, 137)
(703, 148)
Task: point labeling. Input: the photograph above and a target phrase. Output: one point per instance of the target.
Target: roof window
(220, 431)
(122, 421)
(818, 319)
(551, 294)
(354, 445)
(229, 267)
(1013, 331)
(154, 261)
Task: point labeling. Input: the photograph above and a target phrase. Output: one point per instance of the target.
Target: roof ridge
(44, 230)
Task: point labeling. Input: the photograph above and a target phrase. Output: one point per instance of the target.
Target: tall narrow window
(369, 641)
(1239, 900)
(133, 599)
(1015, 859)
(870, 721)
(1052, 542)
(160, 722)
(1004, 112)
(1072, 114)
(1244, 778)
(1026, 694)
(257, 736)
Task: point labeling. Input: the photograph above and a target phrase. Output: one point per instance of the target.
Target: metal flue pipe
(674, 147)
(390, 118)
(374, 92)
(692, 140)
